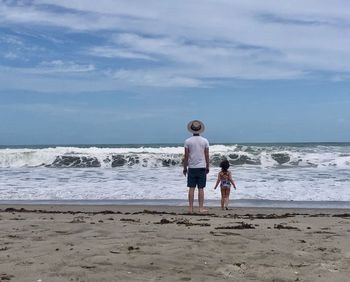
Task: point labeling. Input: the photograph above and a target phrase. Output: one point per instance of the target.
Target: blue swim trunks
(197, 177)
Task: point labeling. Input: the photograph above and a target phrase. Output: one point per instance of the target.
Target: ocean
(293, 172)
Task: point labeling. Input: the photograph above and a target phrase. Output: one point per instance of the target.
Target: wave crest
(238, 155)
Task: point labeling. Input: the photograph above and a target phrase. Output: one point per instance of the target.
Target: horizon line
(175, 143)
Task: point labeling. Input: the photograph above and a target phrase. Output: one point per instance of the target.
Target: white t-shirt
(196, 146)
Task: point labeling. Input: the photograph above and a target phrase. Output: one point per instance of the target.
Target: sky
(117, 72)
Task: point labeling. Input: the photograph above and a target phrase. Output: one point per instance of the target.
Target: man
(196, 163)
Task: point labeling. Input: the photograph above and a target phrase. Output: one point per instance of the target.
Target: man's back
(196, 146)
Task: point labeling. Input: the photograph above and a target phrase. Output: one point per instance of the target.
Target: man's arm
(185, 162)
(206, 153)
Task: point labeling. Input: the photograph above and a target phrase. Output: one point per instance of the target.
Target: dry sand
(156, 243)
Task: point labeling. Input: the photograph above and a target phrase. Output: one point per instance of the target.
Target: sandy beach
(159, 243)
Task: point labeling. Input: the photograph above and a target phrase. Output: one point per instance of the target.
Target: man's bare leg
(201, 200)
(190, 199)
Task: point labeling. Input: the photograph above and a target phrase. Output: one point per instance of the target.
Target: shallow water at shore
(241, 203)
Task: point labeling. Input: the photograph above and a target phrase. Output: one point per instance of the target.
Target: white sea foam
(276, 172)
(158, 156)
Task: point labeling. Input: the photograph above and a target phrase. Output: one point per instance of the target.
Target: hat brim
(189, 125)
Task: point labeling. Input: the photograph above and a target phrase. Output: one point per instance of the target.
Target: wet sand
(160, 243)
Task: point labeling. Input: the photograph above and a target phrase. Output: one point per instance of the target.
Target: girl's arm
(231, 180)
(217, 181)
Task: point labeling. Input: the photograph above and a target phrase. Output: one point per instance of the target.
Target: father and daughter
(196, 168)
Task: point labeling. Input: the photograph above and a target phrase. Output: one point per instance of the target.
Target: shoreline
(235, 203)
(164, 243)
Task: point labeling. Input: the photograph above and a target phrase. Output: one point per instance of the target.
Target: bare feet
(190, 210)
(203, 210)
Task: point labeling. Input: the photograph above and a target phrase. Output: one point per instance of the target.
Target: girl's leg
(222, 198)
(227, 197)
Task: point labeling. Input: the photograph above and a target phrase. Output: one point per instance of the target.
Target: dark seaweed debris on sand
(262, 216)
(242, 225)
(181, 222)
(132, 248)
(188, 223)
(224, 233)
(235, 216)
(342, 215)
(154, 212)
(6, 277)
(284, 226)
(174, 213)
(59, 212)
(129, 220)
(319, 215)
(164, 221)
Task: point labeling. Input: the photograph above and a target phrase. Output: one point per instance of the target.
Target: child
(225, 180)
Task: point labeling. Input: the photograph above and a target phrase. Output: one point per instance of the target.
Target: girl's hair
(224, 165)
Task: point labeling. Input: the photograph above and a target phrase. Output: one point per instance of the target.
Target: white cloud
(42, 80)
(10, 55)
(59, 66)
(195, 41)
(112, 52)
(81, 110)
(50, 76)
(12, 40)
(203, 61)
(157, 78)
(341, 77)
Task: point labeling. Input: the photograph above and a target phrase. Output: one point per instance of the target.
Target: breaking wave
(264, 156)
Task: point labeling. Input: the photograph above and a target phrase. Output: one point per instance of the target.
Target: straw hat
(195, 126)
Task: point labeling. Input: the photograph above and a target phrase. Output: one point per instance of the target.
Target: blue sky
(74, 72)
